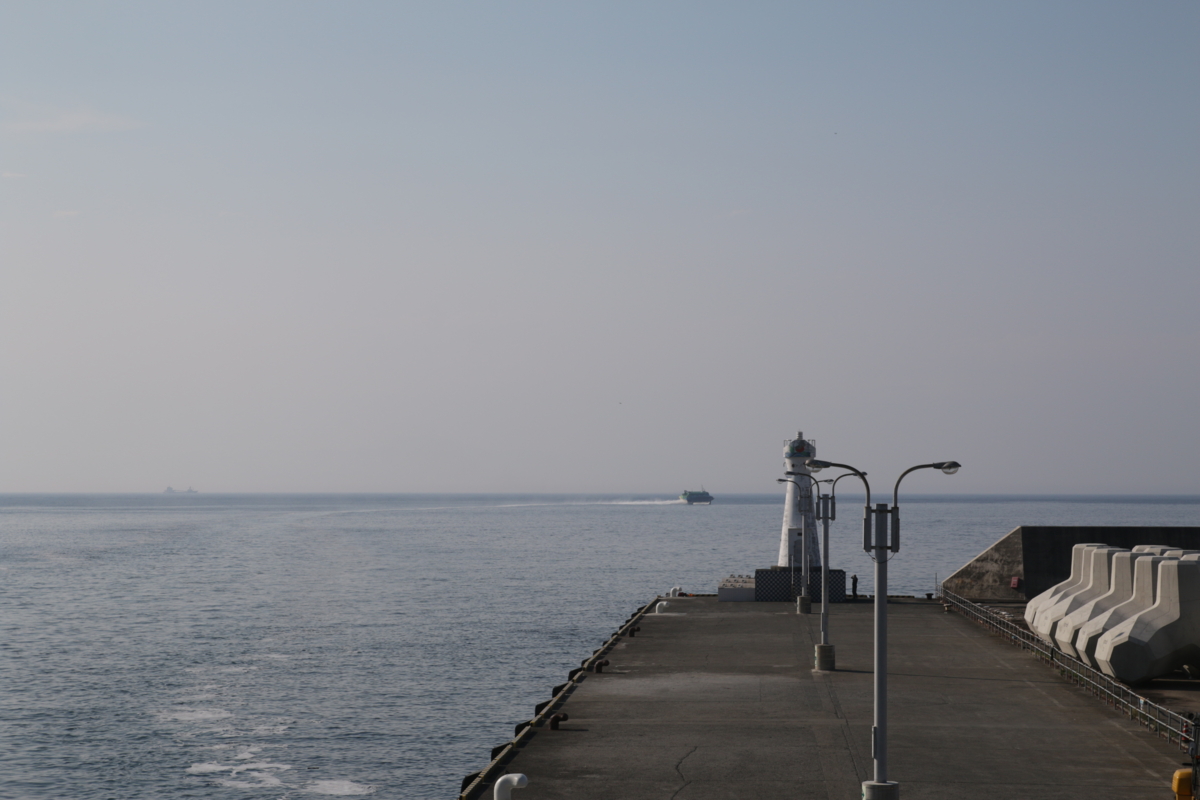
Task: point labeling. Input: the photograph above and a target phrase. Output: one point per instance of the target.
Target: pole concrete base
(824, 658)
(880, 791)
(803, 605)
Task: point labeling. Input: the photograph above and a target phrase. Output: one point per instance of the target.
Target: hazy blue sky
(610, 247)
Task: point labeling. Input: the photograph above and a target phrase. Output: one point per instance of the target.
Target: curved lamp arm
(799, 475)
(833, 494)
(798, 486)
(862, 476)
(815, 484)
(948, 467)
(833, 489)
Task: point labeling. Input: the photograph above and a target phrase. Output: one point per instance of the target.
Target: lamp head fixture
(948, 467)
(816, 465)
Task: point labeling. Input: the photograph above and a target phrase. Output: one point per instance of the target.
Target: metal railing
(1160, 721)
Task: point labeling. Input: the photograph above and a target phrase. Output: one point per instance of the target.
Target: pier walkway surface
(719, 701)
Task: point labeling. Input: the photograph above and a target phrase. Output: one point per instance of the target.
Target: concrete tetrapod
(1120, 589)
(1152, 549)
(1096, 560)
(1051, 595)
(1162, 638)
(1143, 583)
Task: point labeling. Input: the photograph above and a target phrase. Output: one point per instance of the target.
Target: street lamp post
(823, 657)
(805, 605)
(878, 543)
(825, 506)
(826, 659)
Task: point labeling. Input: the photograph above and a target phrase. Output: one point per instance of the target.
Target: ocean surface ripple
(255, 646)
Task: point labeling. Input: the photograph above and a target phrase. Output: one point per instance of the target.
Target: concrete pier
(715, 701)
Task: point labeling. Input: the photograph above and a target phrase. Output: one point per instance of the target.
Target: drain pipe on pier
(505, 785)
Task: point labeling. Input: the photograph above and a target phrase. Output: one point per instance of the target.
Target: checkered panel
(782, 585)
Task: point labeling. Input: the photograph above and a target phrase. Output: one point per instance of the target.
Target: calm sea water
(252, 646)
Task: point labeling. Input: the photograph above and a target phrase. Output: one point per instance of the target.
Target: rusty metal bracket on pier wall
(1163, 722)
(474, 784)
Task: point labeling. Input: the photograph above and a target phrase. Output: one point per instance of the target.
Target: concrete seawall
(720, 701)
(1039, 556)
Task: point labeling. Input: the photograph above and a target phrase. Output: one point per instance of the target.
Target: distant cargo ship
(696, 498)
(189, 490)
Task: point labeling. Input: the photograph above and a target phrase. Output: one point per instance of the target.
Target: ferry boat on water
(696, 498)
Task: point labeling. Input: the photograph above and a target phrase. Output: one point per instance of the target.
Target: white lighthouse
(798, 506)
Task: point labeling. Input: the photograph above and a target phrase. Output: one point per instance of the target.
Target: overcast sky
(603, 247)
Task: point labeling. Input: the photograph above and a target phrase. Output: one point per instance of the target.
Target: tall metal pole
(805, 561)
(824, 569)
(824, 656)
(882, 788)
(805, 531)
(879, 543)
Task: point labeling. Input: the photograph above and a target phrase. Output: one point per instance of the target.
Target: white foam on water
(266, 730)
(533, 505)
(229, 670)
(256, 775)
(506, 505)
(198, 714)
(205, 769)
(342, 788)
(257, 765)
(675, 502)
(349, 511)
(261, 779)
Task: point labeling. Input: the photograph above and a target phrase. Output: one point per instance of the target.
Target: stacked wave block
(1134, 614)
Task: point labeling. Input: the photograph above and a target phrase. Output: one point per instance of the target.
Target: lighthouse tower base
(775, 585)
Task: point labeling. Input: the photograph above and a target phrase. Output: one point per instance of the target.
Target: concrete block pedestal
(881, 791)
(825, 660)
